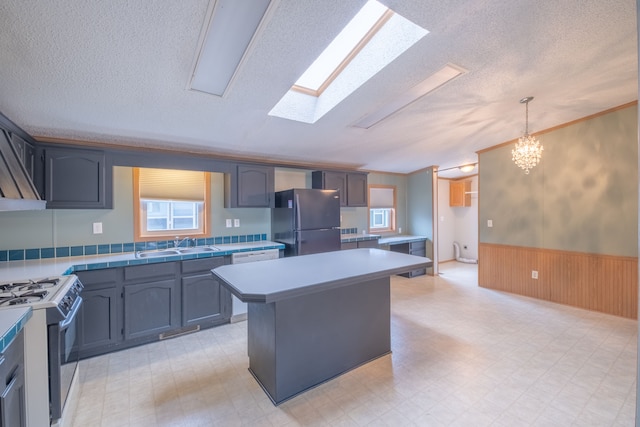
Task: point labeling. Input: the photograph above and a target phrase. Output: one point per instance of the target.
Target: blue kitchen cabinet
(351, 185)
(128, 306)
(77, 178)
(12, 393)
(98, 327)
(204, 300)
(249, 186)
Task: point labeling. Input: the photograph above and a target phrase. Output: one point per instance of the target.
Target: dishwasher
(239, 308)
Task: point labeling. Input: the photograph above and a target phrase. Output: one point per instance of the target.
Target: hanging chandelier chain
(526, 119)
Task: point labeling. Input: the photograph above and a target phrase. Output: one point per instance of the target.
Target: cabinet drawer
(157, 269)
(348, 245)
(104, 278)
(368, 244)
(205, 264)
(402, 248)
(419, 252)
(417, 245)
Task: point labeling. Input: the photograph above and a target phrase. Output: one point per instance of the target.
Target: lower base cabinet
(150, 309)
(98, 318)
(373, 243)
(12, 397)
(128, 306)
(204, 301)
(413, 248)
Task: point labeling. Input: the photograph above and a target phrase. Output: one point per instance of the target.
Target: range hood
(17, 192)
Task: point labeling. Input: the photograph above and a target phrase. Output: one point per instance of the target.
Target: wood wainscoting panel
(604, 283)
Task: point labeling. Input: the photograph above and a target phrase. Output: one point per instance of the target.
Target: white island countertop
(273, 280)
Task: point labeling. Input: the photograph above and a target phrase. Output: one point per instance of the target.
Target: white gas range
(50, 338)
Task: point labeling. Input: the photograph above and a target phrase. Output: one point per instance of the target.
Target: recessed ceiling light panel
(431, 83)
(228, 34)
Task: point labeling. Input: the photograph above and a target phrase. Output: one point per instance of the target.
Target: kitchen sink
(198, 249)
(157, 253)
(178, 251)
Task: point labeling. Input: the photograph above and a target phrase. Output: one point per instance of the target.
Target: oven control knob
(64, 305)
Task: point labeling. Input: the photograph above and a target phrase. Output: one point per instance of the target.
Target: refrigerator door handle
(297, 207)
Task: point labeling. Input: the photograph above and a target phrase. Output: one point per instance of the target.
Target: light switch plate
(228, 223)
(97, 228)
(489, 223)
(236, 222)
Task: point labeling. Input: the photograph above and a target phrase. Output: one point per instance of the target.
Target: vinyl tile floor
(461, 356)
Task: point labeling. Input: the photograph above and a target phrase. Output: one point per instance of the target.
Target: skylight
(373, 39)
(357, 32)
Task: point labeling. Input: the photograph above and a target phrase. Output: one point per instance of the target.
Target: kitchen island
(314, 317)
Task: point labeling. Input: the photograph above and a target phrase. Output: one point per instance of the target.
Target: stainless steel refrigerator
(306, 221)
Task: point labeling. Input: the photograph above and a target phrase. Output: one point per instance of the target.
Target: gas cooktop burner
(28, 285)
(25, 298)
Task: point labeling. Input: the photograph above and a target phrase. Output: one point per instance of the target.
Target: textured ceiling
(117, 72)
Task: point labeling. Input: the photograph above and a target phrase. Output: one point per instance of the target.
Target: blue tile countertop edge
(398, 240)
(12, 321)
(116, 248)
(131, 260)
(40, 268)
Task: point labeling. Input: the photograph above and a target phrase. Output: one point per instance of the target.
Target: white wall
(459, 224)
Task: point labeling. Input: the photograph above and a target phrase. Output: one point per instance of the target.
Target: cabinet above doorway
(460, 193)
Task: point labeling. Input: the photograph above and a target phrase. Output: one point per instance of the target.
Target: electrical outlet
(236, 222)
(97, 228)
(228, 223)
(534, 274)
(489, 223)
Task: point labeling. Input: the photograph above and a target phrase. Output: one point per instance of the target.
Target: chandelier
(528, 149)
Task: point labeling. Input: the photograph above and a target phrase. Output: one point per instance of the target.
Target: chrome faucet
(177, 242)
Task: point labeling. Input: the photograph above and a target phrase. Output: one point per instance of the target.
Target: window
(373, 39)
(382, 208)
(343, 48)
(170, 203)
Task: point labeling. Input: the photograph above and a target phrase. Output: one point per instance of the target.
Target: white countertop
(46, 267)
(274, 280)
(399, 239)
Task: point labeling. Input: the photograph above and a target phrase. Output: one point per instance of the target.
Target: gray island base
(314, 317)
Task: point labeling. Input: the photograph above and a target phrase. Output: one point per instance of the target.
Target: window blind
(381, 197)
(169, 184)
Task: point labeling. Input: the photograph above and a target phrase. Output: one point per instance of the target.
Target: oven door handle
(72, 314)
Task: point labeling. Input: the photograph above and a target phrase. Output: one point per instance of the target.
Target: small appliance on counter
(306, 221)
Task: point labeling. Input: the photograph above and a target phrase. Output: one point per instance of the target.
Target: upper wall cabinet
(77, 178)
(352, 186)
(460, 193)
(249, 186)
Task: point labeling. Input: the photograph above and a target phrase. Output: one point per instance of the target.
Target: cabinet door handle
(8, 389)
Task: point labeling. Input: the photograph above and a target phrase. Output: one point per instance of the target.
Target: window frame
(139, 214)
(393, 210)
